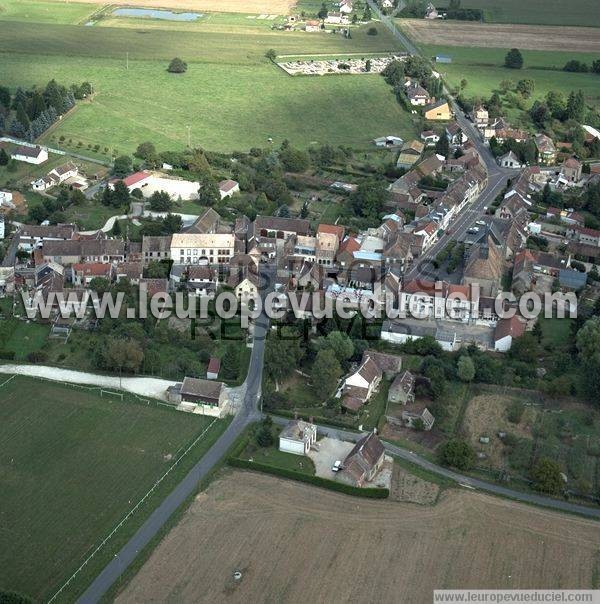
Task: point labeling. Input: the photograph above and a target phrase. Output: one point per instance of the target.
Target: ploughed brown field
(272, 7)
(496, 35)
(297, 543)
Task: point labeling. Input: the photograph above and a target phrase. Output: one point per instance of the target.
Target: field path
(151, 387)
(497, 35)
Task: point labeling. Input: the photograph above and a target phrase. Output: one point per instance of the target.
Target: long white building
(208, 248)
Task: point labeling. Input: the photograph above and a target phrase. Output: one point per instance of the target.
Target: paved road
(497, 176)
(248, 413)
(461, 479)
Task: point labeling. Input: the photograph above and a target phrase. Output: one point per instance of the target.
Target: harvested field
(272, 7)
(409, 488)
(532, 37)
(295, 543)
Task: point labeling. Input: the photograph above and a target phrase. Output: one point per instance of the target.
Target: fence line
(12, 377)
(131, 512)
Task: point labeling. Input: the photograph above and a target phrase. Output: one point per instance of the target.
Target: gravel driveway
(330, 451)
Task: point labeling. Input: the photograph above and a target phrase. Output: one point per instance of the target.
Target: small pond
(151, 13)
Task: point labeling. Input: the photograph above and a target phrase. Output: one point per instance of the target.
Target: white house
(247, 287)
(439, 300)
(31, 155)
(506, 331)
(429, 232)
(388, 141)
(367, 377)
(429, 137)
(336, 18)
(6, 200)
(229, 187)
(202, 280)
(56, 176)
(297, 437)
(207, 248)
(346, 6)
(509, 160)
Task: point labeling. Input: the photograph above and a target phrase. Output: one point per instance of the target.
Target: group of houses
(359, 466)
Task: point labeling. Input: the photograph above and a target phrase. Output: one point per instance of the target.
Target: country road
(250, 411)
(497, 176)
(248, 414)
(461, 479)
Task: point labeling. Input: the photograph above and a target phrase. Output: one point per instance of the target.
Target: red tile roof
(214, 365)
(349, 244)
(227, 185)
(332, 229)
(514, 327)
(93, 268)
(132, 179)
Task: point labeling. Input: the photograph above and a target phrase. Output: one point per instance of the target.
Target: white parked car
(337, 466)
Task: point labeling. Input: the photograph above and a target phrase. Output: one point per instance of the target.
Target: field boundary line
(132, 511)
(12, 377)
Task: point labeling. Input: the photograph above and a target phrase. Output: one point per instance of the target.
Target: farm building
(153, 182)
(297, 437)
(388, 141)
(229, 187)
(410, 154)
(206, 397)
(31, 155)
(214, 366)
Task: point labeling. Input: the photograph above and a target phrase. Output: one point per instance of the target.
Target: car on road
(337, 466)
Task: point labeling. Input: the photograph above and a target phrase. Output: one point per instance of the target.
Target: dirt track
(532, 37)
(295, 543)
(271, 7)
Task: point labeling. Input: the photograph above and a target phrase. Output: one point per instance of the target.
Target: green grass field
(19, 337)
(40, 11)
(537, 12)
(232, 98)
(71, 465)
(483, 68)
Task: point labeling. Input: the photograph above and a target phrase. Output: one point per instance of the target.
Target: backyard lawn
(272, 456)
(20, 337)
